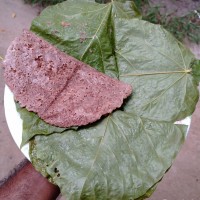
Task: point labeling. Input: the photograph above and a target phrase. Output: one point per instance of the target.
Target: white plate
(15, 123)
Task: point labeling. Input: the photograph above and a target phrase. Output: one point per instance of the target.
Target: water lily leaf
(108, 160)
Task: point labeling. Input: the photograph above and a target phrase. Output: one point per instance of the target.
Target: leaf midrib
(95, 34)
(159, 96)
(96, 155)
(156, 73)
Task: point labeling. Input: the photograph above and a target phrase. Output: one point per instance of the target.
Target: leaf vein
(155, 73)
(95, 35)
(96, 156)
(154, 99)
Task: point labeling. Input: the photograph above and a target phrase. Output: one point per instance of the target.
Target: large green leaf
(158, 67)
(120, 157)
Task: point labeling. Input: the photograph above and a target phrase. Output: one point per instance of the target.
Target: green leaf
(121, 157)
(87, 32)
(158, 67)
(125, 9)
(196, 70)
(87, 35)
(39, 165)
(148, 193)
(33, 125)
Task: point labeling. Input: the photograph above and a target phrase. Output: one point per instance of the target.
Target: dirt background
(177, 7)
(182, 182)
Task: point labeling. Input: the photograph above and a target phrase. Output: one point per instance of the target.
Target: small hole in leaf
(56, 170)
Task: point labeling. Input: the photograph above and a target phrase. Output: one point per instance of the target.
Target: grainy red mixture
(62, 90)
